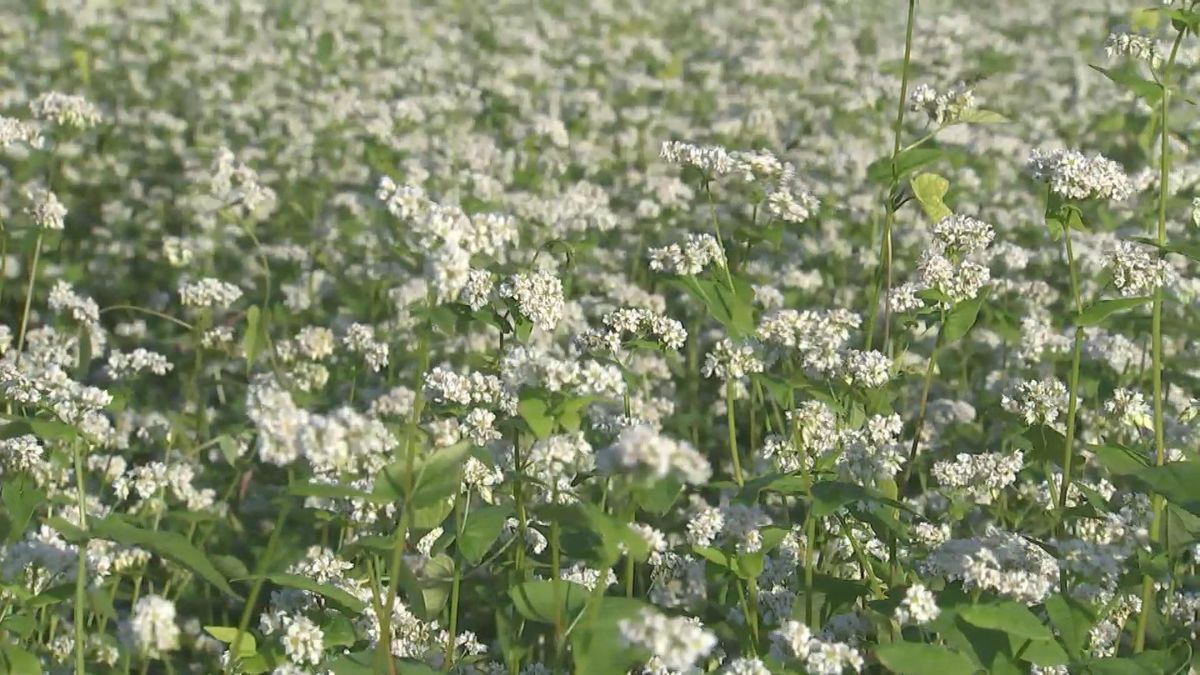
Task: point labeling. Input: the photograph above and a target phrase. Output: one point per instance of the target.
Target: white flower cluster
(65, 110)
(713, 160)
(982, 476)
(528, 366)
(690, 259)
(942, 108)
(919, 606)
(234, 185)
(13, 131)
(44, 209)
(1136, 271)
(209, 293)
(64, 300)
(1138, 47)
(1073, 175)
(626, 324)
(873, 453)
(1037, 401)
(817, 338)
(731, 360)
(795, 641)
(538, 297)
(475, 389)
(676, 643)
(1129, 409)
(646, 453)
(360, 339)
(151, 629)
(122, 365)
(998, 561)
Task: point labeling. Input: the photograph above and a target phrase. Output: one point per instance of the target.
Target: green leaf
(929, 189)
(981, 116)
(535, 600)
(52, 430)
(962, 316)
(21, 498)
(880, 171)
(596, 643)
(480, 531)
(1119, 460)
(1095, 314)
(1129, 80)
(17, 661)
(911, 658)
(1007, 616)
(228, 635)
(1073, 621)
(252, 339)
(536, 414)
(167, 544)
(1175, 481)
(340, 599)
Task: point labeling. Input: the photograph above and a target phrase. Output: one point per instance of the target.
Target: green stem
(884, 275)
(920, 423)
(731, 416)
(1073, 383)
(33, 266)
(81, 570)
(1164, 174)
(260, 577)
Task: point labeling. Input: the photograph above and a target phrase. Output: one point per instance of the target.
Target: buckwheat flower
(1129, 409)
(711, 159)
(868, 369)
(1072, 175)
(360, 339)
(746, 666)
(44, 209)
(1136, 271)
(1037, 401)
(982, 476)
(705, 525)
(690, 259)
(942, 108)
(644, 452)
(65, 110)
(64, 300)
(963, 235)
(539, 297)
(998, 561)
(316, 343)
(151, 629)
(1138, 47)
(793, 207)
(678, 643)
(656, 541)
(904, 298)
(209, 293)
(13, 131)
(121, 365)
(918, 606)
(957, 282)
(832, 658)
(732, 360)
(478, 290)
(303, 641)
(587, 577)
(479, 426)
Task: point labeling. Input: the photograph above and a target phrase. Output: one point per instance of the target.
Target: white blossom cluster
(1073, 175)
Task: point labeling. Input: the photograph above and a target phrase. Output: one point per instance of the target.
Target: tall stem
(1073, 383)
(260, 574)
(81, 570)
(33, 266)
(1164, 175)
(731, 416)
(884, 279)
(920, 423)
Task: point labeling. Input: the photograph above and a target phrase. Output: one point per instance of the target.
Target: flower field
(604, 337)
